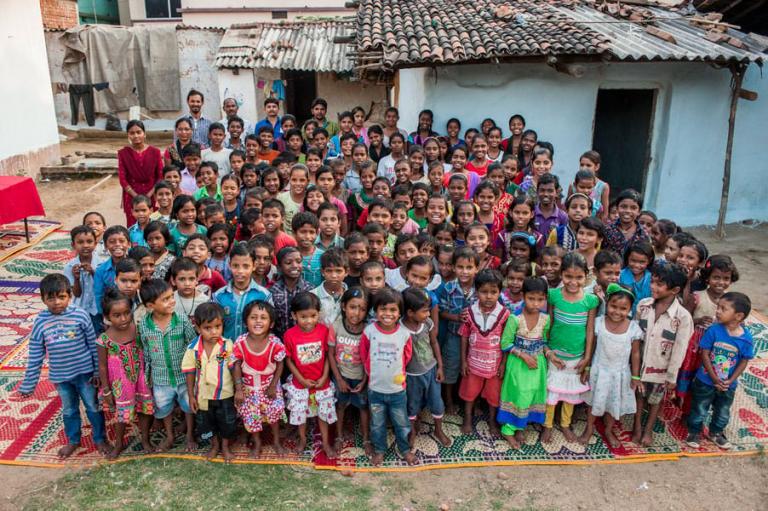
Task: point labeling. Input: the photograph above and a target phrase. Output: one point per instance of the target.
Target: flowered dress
(258, 371)
(127, 380)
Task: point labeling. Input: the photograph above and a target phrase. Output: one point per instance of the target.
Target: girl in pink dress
(139, 167)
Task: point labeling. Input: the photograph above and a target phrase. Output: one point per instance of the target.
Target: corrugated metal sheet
(628, 41)
(302, 46)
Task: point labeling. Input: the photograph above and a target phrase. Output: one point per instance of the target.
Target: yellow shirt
(213, 374)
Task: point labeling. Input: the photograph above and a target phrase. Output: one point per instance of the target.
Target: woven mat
(31, 430)
(14, 240)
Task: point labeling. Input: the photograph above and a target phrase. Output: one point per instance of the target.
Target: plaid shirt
(163, 351)
(451, 299)
(281, 299)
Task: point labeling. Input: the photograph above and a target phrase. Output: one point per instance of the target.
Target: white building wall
(28, 137)
(242, 87)
(219, 13)
(689, 131)
(342, 94)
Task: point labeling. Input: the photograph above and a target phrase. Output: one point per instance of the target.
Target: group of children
(451, 269)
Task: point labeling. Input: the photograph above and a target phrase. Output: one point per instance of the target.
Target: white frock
(611, 375)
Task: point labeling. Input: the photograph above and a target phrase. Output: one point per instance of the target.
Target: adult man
(319, 109)
(200, 124)
(231, 108)
(272, 109)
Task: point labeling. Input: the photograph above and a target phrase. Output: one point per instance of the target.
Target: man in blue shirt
(725, 350)
(272, 109)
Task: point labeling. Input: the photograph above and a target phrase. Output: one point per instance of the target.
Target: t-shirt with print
(423, 357)
(483, 332)
(385, 355)
(725, 352)
(258, 368)
(347, 350)
(307, 351)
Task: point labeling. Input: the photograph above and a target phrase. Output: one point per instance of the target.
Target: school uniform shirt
(330, 306)
(220, 158)
(666, 340)
(164, 349)
(385, 356)
(213, 372)
(87, 298)
(234, 303)
(307, 350)
(726, 351)
(70, 342)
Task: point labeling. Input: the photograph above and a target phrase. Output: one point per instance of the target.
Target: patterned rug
(31, 430)
(13, 238)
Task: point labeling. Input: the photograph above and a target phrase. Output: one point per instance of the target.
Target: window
(279, 15)
(163, 8)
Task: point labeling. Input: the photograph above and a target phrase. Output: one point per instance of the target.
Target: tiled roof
(304, 46)
(407, 33)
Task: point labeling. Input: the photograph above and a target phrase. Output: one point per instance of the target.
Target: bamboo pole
(737, 73)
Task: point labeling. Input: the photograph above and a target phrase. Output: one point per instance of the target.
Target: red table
(18, 200)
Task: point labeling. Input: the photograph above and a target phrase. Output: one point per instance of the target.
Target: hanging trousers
(84, 92)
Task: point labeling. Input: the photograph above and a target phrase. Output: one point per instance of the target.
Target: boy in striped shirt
(66, 333)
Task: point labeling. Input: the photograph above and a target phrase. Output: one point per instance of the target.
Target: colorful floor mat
(31, 430)
(13, 238)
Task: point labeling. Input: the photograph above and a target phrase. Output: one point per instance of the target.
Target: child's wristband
(636, 378)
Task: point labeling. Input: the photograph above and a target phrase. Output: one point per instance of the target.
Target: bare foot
(410, 458)
(377, 459)
(451, 409)
(228, 455)
(213, 452)
(466, 427)
(191, 444)
(104, 448)
(67, 450)
(255, 451)
(279, 449)
(512, 441)
(493, 428)
(520, 437)
(338, 444)
(147, 447)
(612, 440)
(165, 445)
(546, 435)
(584, 437)
(443, 438)
(636, 437)
(647, 440)
(368, 448)
(329, 451)
(300, 445)
(115, 452)
(569, 435)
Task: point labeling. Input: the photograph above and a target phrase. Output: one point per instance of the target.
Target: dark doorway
(300, 90)
(622, 136)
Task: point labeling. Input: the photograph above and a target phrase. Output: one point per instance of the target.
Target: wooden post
(737, 72)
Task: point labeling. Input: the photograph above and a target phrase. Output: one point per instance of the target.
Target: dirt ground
(687, 484)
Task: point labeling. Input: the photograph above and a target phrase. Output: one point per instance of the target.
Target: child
(198, 249)
(636, 275)
(661, 231)
(141, 210)
(124, 385)
(80, 269)
(376, 150)
(612, 380)
(239, 292)
(718, 274)
(519, 219)
(458, 162)
(385, 349)
(547, 215)
(333, 264)
(261, 250)
(188, 296)
(647, 219)
(185, 214)
(219, 237)
(673, 244)
(601, 192)
(190, 155)
(551, 262)
(212, 214)
(479, 161)
(584, 182)
(424, 372)
(96, 221)
(273, 213)
(667, 329)
(309, 392)
(437, 213)
(326, 183)
(158, 239)
(164, 336)
(372, 277)
(360, 200)
(496, 176)
(289, 283)
(482, 364)
(515, 272)
(265, 153)
(293, 199)
(453, 298)
(419, 196)
(217, 153)
(348, 372)
(230, 201)
(577, 207)
(163, 194)
(444, 256)
(435, 174)
(377, 239)
(207, 366)
(66, 334)
(405, 250)
(305, 230)
(693, 255)
(172, 176)
(356, 247)
(117, 242)
(400, 221)
(259, 362)
(524, 387)
(328, 219)
(571, 341)
(249, 178)
(146, 261)
(386, 166)
(726, 349)
(209, 175)
(626, 230)
(312, 199)
(486, 196)
(478, 239)
(589, 237)
(607, 271)
(464, 215)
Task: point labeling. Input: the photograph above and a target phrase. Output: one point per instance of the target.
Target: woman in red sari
(139, 167)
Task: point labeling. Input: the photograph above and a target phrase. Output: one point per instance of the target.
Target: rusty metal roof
(302, 46)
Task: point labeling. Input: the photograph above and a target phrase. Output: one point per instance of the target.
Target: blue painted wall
(98, 11)
(690, 125)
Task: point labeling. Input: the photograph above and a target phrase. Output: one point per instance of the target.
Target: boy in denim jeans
(725, 351)
(66, 333)
(385, 349)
